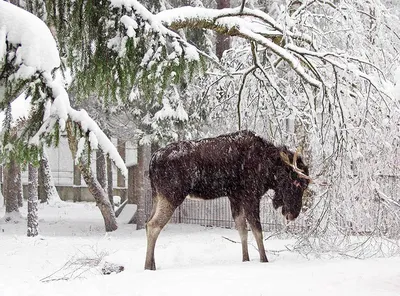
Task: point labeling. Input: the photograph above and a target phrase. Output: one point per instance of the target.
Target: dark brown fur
(239, 165)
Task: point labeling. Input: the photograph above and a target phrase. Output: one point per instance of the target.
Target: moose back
(241, 166)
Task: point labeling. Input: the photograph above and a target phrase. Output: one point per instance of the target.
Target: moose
(239, 165)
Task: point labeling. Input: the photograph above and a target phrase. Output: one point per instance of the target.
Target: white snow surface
(38, 51)
(191, 260)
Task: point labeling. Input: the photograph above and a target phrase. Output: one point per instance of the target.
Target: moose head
(291, 181)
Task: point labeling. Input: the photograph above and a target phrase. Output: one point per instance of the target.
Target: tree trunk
(143, 182)
(11, 186)
(121, 181)
(41, 192)
(46, 181)
(100, 196)
(20, 193)
(121, 145)
(94, 186)
(136, 180)
(33, 229)
(131, 185)
(77, 180)
(2, 187)
(223, 42)
(101, 169)
(110, 182)
(136, 184)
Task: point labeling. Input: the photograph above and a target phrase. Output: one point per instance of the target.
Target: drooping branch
(185, 17)
(342, 65)
(260, 28)
(232, 22)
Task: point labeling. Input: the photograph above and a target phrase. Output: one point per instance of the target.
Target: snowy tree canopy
(122, 43)
(28, 56)
(323, 51)
(119, 44)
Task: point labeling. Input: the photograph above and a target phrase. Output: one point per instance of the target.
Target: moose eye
(293, 175)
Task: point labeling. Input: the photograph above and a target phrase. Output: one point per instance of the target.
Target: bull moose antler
(285, 159)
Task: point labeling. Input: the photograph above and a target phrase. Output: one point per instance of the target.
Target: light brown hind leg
(252, 211)
(162, 212)
(240, 222)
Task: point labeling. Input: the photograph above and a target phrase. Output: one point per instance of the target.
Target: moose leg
(241, 226)
(162, 212)
(252, 211)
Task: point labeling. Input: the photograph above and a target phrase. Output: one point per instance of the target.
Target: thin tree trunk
(136, 192)
(33, 229)
(18, 180)
(144, 154)
(41, 192)
(11, 186)
(121, 181)
(2, 187)
(110, 182)
(131, 185)
(136, 183)
(223, 42)
(77, 182)
(101, 169)
(49, 189)
(94, 186)
(121, 145)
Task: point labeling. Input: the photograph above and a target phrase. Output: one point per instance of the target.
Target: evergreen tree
(28, 57)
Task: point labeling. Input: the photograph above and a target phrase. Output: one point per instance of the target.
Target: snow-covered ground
(191, 260)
